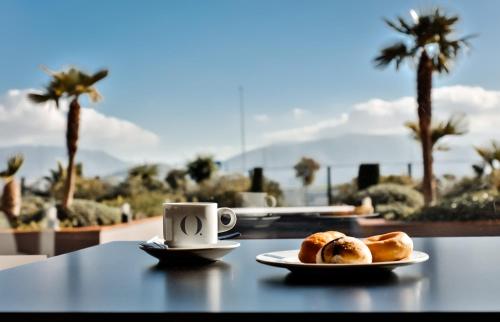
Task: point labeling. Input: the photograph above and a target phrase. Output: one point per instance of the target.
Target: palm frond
(403, 27)
(396, 53)
(486, 154)
(39, 98)
(98, 76)
(71, 83)
(430, 29)
(414, 128)
(455, 125)
(13, 164)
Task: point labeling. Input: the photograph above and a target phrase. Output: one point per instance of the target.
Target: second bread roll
(344, 250)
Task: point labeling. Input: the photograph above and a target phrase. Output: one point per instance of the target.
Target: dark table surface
(463, 274)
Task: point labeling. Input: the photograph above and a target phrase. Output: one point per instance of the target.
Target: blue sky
(175, 66)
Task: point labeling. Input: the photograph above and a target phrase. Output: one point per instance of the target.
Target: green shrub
(32, 210)
(398, 179)
(224, 190)
(273, 188)
(477, 205)
(466, 185)
(83, 213)
(92, 188)
(32, 214)
(393, 201)
(146, 204)
(344, 193)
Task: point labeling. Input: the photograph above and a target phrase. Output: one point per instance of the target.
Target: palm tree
(176, 179)
(71, 84)
(490, 155)
(57, 176)
(491, 159)
(429, 41)
(147, 175)
(11, 196)
(455, 125)
(201, 168)
(146, 172)
(306, 170)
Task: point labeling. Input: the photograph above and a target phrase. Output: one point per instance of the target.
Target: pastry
(390, 247)
(313, 243)
(344, 250)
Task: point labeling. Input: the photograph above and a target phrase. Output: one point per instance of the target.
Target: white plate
(288, 259)
(265, 211)
(189, 254)
(323, 216)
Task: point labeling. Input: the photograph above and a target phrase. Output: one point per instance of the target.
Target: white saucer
(288, 259)
(211, 252)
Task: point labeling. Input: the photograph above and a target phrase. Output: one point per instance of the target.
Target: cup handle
(271, 201)
(226, 211)
(167, 228)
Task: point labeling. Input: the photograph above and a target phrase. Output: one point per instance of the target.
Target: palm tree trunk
(11, 199)
(424, 88)
(73, 125)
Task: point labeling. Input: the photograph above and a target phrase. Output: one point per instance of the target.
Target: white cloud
(298, 113)
(261, 118)
(307, 132)
(378, 116)
(22, 122)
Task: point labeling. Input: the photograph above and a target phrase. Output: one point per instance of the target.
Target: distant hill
(345, 153)
(39, 159)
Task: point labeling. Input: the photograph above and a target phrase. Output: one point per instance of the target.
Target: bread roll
(344, 250)
(388, 247)
(313, 243)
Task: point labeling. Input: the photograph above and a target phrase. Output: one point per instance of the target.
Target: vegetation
(201, 168)
(454, 126)
(176, 179)
(491, 162)
(392, 201)
(306, 170)
(11, 197)
(83, 213)
(478, 205)
(434, 49)
(70, 84)
(399, 179)
(85, 201)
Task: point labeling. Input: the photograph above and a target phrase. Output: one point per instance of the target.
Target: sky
(175, 68)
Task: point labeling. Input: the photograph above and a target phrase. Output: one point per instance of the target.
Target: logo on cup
(199, 225)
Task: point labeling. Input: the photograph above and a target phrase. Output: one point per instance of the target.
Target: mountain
(345, 153)
(38, 160)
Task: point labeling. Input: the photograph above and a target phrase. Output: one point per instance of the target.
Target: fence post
(23, 186)
(409, 169)
(329, 185)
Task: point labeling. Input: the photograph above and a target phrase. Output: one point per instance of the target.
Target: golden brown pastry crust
(392, 246)
(313, 243)
(344, 250)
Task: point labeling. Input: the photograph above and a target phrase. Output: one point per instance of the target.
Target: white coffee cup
(257, 199)
(189, 224)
